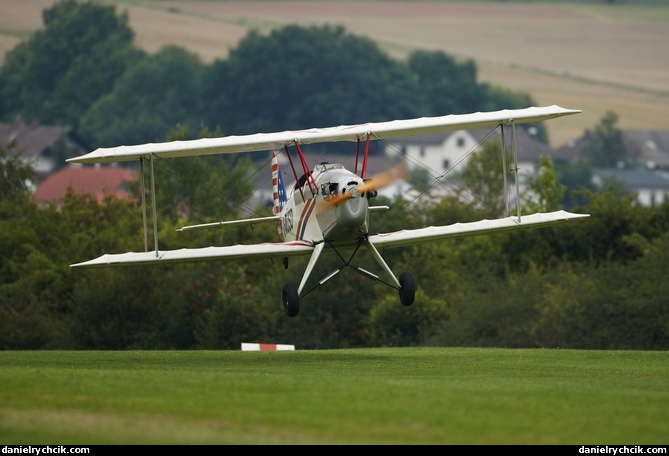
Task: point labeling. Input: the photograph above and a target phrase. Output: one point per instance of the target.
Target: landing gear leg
(405, 284)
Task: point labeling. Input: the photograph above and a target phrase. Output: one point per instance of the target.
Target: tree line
(83, 70)
(596, 284)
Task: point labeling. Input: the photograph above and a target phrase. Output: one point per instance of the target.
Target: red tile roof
(92, 180)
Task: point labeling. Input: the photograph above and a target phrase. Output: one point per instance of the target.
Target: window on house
(461, 141)
(446, 164)
(422, 152)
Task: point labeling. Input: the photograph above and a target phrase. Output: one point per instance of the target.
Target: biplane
(328, 207)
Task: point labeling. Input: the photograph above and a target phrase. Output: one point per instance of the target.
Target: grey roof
(647, 146)
(636, 178)
(528, 147)
(36, 140)
(644, 146)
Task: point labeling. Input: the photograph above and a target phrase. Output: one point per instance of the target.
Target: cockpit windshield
(327, 166)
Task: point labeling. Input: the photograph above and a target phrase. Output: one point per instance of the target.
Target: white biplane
(328, 208)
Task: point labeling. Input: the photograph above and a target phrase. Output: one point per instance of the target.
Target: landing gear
(291, 300)
(407, 289)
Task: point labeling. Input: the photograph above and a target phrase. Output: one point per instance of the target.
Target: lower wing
(276, 251)
(268, 250)
(458, 230)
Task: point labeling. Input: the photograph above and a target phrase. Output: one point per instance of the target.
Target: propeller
(378, 181)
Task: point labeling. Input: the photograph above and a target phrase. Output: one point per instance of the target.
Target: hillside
(597, 58)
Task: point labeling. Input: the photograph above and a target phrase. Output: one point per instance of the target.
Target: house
(443, 153)
(47, 147)
(650, 186)
(644, 172)
(96, 181)
(649, 149)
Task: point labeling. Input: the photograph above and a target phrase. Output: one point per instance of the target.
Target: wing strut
(153, 205)
(307, 172)
(366, 156)
(357, 153)
(506, 185)
(292, 166)
(143, 189)
(514, 154)
(515, 166)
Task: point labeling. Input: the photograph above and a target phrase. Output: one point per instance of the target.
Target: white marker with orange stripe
(264, 347)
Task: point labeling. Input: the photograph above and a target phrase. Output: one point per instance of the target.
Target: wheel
(407, 289)
(291, 300)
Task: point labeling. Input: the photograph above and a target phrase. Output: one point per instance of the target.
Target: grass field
(590, 56)
(357, 396)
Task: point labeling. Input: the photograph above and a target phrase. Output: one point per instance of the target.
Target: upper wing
(274, 141)
(268, 250)
(458, 230)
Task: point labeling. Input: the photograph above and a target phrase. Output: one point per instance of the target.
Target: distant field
(592, 57)
(421, 396)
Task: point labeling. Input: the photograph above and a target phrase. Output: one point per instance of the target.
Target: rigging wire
(223, 196)
(441, 178)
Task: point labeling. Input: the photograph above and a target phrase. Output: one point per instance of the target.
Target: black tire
(407, 289)
(291, 300)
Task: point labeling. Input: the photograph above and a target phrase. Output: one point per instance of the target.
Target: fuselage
(315, 210)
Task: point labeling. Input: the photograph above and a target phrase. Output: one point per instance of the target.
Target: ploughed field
(596, 57)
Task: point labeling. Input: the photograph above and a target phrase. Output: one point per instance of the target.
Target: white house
(446, 153)
(650, 186)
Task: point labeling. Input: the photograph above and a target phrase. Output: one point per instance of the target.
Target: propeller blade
(381, 180)
(378, 181)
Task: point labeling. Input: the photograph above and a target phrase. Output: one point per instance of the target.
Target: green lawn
(358, 396)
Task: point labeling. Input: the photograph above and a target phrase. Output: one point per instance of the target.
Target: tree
(300, 77)
(576, 178)
(483, 177)
(544, 191)
(450, 86)
(606, 148)
(72, 62)
(157, 94)
(16, 174)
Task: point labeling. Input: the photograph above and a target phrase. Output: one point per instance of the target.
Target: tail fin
(278, 191)
(278, 188)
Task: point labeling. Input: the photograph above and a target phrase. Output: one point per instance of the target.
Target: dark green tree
(56, 74)
(606, 148)
(299, 77)
(483, 178)
(16, 174)
(450, 86)
(155, 95)
(544, 191)
(576, 178)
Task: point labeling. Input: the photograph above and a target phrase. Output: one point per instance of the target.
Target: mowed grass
(356, 396)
